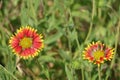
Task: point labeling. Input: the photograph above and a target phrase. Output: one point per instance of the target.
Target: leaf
(53, 38)
(73, 35)
(7, 74)
(94, 77)
(81, 14)
(68, 73)
(64, 55)
(46, 59)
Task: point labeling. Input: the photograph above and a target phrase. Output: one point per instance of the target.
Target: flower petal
(26, 42)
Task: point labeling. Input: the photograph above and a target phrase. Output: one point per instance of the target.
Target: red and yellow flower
(26, 42)
(98, 53)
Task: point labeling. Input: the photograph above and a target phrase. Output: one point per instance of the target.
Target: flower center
(26, 42)
(98, 54)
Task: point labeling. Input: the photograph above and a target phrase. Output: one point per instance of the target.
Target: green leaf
(73, 35)
(7, 74)
(69, 73)
(46, 59)
(65, 55)
(53, 38)
(81, 14)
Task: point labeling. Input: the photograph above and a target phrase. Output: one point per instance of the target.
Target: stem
(99, 73)
(91, 24)
(90, 75)
(90, 29)
(99, 13)
(79, 47)
(116, 42)
(82, 71)
(69, 41)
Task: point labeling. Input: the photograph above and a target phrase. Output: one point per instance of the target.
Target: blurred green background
(68, 26)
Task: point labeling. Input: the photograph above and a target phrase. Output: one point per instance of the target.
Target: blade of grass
(8, 72)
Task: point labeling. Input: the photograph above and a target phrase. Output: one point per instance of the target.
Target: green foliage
(68, 26)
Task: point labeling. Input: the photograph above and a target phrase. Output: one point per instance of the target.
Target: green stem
(90, 76)
(99, 13)
(79, 48)
(78, 45)
(116, 42)
(91, 24)
(82, 71)
(99, 73)
(90, 29)
(69, 41)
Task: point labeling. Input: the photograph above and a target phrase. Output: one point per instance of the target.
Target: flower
(98, 53)
(26, 42)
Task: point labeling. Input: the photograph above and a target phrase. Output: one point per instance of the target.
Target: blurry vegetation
(68, 26)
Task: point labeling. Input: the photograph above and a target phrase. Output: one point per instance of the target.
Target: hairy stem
(93, 14)
(99, 73)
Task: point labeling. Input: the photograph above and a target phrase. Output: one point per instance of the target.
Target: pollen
(26, 42)
(98, 54)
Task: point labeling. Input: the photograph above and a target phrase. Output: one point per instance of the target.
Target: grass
(68, 26)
